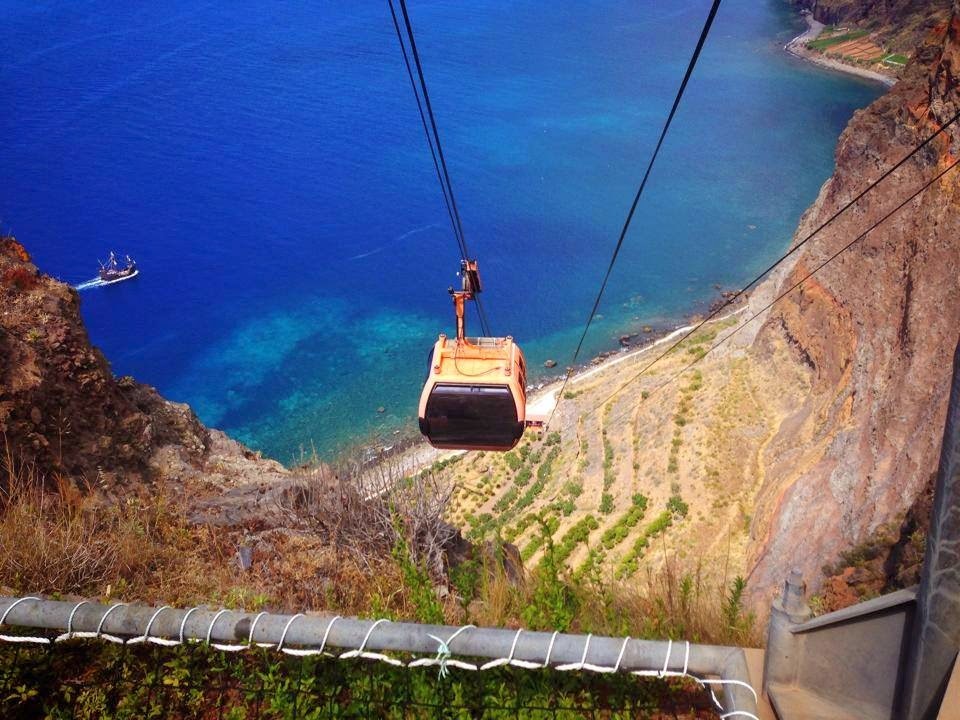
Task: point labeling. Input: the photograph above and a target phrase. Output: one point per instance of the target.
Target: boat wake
(92, 283)
(98, 282)
(393, 242)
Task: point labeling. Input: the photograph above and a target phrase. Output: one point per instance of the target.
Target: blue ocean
(265, 165)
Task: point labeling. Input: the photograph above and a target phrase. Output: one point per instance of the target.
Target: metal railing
(399, 644)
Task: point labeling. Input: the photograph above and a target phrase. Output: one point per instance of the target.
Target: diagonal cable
(732, 299)
(636, 200)
(799, 282)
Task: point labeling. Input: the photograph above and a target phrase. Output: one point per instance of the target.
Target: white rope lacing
(443, 658)
(145, 638)
(183, 623)
(253, 626)
(69, 633)
(20, 638)
(553, 639)
(220, 646)
(99, 633)
(706, 683)
(362, 652)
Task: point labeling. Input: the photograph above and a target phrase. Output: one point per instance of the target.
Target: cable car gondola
(475, 395)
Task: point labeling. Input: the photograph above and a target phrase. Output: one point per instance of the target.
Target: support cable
(636, 200)
(423, 122)
(795, 285)
(733, 298)
(436, 147)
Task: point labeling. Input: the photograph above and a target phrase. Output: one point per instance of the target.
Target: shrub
(506, 499)
(614, 535)
(579, 533)
(418, 584)
(677, 506)
(523, 477)
(552, 605)
(609, 476)
(629, 564)
(606, 503)
(20, 278)
(573, 488)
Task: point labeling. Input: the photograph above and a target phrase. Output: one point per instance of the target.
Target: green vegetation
(630, 562)
(544, 473)
(824, 43)
(577, 534)
(554, 604)
(564, 507)
(506, 499)
(736, 620)
(591, 568)
(101, 680)
(615, 534)
(426, 605)
(573, 488)
(523, 476)
(548, 526)
(609, 475)
(677, 506)
(681, 418)
(896, 59)
(440, 465)
(606, 503)
(511, 503)
(530, 549)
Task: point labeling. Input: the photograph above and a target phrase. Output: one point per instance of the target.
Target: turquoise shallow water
(266, 167)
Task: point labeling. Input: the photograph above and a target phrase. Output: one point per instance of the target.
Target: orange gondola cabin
(475, 396)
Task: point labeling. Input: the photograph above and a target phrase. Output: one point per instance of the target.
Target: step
(794, 703)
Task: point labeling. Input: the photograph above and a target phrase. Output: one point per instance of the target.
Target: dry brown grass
(58, 539)
(370, 509)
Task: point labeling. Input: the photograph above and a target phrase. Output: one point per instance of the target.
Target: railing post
(780, 659)
(935, 638)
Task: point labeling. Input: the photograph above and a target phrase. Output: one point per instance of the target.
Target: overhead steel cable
(798, 283)
(636, 200)
(423, 121)
(433, 140)
(733, 298)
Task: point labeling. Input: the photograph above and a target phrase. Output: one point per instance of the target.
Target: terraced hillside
(666, 468)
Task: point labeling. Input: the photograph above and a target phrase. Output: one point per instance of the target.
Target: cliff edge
(874, 331)
(64, 413)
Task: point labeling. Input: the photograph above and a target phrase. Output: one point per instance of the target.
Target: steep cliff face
(63, 412)
(901, 24)
(875, 330)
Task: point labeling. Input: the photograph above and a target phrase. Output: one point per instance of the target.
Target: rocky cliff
(64, 413)
(874, 332)
(901, 24)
